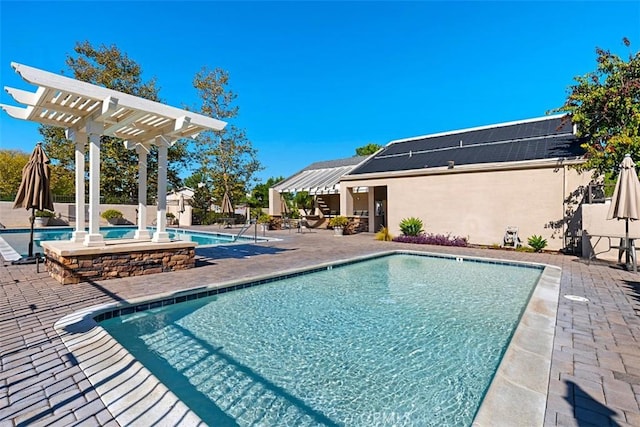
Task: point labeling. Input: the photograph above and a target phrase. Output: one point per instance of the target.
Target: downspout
(564, 206)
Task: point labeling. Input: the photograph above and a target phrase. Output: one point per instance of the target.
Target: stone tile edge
(510, 399)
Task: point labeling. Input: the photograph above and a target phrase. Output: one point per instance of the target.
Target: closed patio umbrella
(180, 207)
(35, 191)
(227, 207)
(625, 203)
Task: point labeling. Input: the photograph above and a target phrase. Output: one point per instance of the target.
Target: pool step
(7, 252)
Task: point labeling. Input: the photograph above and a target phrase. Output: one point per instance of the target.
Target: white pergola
(88, 112)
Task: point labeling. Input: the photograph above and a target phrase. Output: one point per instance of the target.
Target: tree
(226, 158)
(368, 149)
(605, 106)
(260, 192)
(11, 164)
(110, 68)
(303, 200)
(202, 197)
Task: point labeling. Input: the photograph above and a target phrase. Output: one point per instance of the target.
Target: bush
(537, 243)
(264, 218)
(433, 239)
(384, 235)
(338, 221)
(44, 214)
(111, 213)
(411, 226)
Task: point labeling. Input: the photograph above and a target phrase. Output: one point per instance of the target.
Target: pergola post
(80, 139)
(142, 233)
(161, 234)
(94, 238)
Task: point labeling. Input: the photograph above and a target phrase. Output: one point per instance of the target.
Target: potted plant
(171, 219)
(41, 218)
(264, 220)
(113, 216)
(338, 223)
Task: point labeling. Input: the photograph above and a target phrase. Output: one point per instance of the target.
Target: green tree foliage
(303, 200)
(107, 66)
(260, 193)
(605, 105)
(63, 181)
(11, 164)
(226, 159)
(368, 149)
(202, 197)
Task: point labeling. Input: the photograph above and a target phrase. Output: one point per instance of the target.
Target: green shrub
(44, 214)
(411, 226)
(338, 221)
(537, 243)
(264, 218)
(384, 235)
(111, 213)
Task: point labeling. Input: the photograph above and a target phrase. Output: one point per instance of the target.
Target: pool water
(19, 239)
(397, 340)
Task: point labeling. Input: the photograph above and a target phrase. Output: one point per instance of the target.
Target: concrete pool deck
(595, 366)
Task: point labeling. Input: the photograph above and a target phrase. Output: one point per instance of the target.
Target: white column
(94, 238)
(79, 138)
(161, 234)
(142, 233)
(371, 207)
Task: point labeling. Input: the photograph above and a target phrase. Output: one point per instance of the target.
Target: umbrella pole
(31, 219)
(626, 243)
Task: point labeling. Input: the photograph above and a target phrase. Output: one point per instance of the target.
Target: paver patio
(595, 369)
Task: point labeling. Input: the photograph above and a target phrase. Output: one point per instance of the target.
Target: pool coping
(69, 247)
(517, 394)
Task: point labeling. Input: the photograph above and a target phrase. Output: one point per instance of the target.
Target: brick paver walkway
(595, 371)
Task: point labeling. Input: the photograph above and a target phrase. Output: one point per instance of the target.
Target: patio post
(161, 234)
(79, 138)
(94, 238)
(142, 233)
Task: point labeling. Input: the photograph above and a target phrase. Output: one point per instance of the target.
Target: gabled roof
(542, 138)
(320, 177)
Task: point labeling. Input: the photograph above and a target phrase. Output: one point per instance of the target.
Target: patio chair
(511, 237)
(303, 225)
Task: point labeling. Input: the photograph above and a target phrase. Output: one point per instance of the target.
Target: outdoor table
(622, 249)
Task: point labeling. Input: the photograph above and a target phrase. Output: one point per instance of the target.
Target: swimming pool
(400, 339)
(18, 239)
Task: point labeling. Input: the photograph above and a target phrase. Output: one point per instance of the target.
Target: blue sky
(315, 80)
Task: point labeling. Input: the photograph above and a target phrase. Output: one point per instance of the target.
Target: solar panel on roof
(540, 139)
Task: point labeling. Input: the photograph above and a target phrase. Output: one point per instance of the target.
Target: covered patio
(322, 181)
(88, 112)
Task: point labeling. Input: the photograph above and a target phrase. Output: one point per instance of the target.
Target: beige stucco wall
(10, 217)
(480, 204)
(595, 224)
